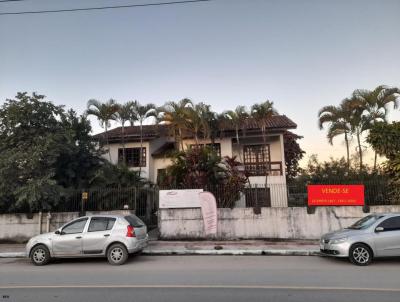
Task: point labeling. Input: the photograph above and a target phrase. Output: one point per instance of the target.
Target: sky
(302, 55)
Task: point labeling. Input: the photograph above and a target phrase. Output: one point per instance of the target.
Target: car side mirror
(379, 229)
(57, 232)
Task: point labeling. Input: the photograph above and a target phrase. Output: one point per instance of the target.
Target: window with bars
(132, 157)
(216, 147)
(257, 159)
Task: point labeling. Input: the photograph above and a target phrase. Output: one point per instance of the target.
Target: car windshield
(365, 222)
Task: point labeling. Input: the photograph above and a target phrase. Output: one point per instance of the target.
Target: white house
(259, 159)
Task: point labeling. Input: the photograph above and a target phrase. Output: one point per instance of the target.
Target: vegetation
(358, 114)
(47, 153)
(203, 168)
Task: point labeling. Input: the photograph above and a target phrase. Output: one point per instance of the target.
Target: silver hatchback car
(373, 236)
(112, 236)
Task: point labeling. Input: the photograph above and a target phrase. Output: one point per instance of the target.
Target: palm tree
(338, 119)
(358, 123)
(237, 117)
(124, 115)
(105, 112)
(375, 104)
(175, 114)
(262, 113)
(141, 113)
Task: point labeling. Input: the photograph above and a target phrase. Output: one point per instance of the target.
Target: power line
(99, 8)
(10, 0)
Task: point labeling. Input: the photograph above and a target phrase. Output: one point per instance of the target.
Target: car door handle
(106, 235)
(78, 237)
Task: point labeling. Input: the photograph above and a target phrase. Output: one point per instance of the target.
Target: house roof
(132, 133)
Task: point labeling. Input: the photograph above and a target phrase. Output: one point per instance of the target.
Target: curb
(172, 252)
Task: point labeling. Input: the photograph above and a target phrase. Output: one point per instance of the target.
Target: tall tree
(375, 104)
(262, 114)
(124, 115)
(142, 113)
(175, 114)
(105, 112)
(238, 118)
(338, 119)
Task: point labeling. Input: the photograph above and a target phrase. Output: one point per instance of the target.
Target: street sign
(335, 195)
(85, 195)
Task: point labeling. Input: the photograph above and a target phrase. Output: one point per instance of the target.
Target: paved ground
(301, 247)
(196, 278)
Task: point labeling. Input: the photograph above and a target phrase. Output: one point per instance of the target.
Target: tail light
(130, 231)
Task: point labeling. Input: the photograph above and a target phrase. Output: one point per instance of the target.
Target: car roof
(106, 215)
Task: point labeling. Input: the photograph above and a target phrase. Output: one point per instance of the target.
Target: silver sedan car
(112, 236)
(376, 235)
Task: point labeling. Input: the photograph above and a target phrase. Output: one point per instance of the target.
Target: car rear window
(134, 221)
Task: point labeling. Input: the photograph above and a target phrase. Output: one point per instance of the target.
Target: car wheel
(117, 254)
(360, 254)
(40, 255)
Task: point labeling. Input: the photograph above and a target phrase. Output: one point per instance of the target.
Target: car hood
(42, 237)
(342, 233)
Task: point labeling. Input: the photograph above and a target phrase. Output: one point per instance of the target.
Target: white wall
(279, 223)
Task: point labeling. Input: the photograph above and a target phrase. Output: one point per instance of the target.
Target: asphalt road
(201, 278)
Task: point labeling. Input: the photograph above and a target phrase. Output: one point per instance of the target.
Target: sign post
(335, 195)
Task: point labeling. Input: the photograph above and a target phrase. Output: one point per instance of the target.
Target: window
(132, 157)
(98, 224)
(216, 147)
(75, 227)
(134, 221)
(391, 224)
(257, 159)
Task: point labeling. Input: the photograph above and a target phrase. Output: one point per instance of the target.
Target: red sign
(335, 195)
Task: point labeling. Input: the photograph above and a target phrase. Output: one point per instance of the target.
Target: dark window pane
(132, 157)
(257, 159)
(98, 224)
(110, 224)
(391, 224)
(134, 221)
(75, 227)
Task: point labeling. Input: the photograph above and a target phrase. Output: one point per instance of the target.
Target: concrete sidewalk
(238, 247)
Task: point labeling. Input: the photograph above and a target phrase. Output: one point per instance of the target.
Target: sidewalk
(238, 247)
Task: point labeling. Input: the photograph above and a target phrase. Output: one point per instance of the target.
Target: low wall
(21, 227)
(280, 223)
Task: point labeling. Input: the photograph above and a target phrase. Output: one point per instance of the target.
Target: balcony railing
(273, 168)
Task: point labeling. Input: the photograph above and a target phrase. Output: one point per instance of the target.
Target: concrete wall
(279, 223)
(20, 227)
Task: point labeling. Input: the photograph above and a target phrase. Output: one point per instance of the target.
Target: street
(198, 278)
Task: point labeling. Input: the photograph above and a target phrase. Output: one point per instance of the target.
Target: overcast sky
(301, 55)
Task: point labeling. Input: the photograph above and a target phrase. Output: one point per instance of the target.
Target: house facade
(263, 157)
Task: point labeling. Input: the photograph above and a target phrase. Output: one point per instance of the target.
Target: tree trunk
(264, 135)
(107, 143)
(238, 144)
(347, 150)
(123, 144)
(180, 139)
(375, 160)
(141, 149)
(359, 149)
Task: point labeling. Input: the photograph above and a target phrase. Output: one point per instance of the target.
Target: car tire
(360, 254)
(117, 254)
(40, 255)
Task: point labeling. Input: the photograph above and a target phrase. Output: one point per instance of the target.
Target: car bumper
(335, 250)
(139, 245)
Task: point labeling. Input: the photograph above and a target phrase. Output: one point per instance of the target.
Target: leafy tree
(238, 118)
(124, 115)
(141, 113)
(105, 112)
(175, 114)
(375, 104)
(44, 151)
(385, 139)
(293, 154)
(338, 118)
(203, 168)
